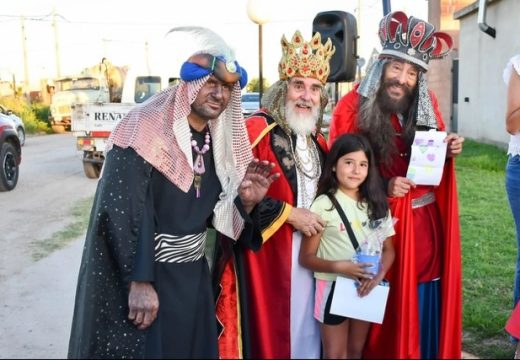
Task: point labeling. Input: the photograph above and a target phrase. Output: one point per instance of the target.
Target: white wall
(481, 63)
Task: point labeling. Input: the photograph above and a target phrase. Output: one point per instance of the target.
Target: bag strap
(345, 221)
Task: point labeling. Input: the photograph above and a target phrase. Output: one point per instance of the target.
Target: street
(37, 298)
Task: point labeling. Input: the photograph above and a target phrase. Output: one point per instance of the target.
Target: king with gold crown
(273, 293)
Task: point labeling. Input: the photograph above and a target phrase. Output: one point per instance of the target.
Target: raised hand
(256, 182)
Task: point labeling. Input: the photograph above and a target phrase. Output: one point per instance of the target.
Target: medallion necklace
(198, 164)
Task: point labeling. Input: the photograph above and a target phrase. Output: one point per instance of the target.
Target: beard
(303, 124)
(391, 105)
(374, 120)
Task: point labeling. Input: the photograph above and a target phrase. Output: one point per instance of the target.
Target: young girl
(351, 176)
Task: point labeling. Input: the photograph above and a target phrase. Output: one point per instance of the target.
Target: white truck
(92, 122)
(101, 83)
(71, 90)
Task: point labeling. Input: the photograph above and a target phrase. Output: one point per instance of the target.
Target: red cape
(398, 336)
(269, 269)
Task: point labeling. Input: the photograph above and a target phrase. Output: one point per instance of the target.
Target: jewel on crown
(412, 39)
(307, 59)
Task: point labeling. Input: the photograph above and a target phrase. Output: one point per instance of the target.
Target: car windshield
(63, 85)
(145, 87)
(250, 97)
(85, 84)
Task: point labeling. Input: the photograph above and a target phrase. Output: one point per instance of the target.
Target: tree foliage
(254, 85)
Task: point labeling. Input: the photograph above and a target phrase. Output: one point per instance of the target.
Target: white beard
(302, 124)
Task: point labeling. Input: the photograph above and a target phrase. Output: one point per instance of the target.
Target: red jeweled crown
(412, 39)
(306, 59)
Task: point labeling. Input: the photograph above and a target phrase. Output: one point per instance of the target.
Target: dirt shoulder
(37, 306)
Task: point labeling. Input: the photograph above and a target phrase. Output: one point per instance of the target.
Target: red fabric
(398, 336)
(344, 116)
(227, 303)
(269, 270)
(513, 323)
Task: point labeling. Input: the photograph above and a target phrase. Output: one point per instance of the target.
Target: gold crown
(306, 59)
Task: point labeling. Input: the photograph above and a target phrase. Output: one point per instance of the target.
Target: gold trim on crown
(306, 59)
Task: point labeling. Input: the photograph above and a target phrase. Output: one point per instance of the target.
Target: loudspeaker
(341, 28)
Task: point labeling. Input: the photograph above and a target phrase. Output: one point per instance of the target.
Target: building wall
(447, 9)
(440, 75)
(482, 92)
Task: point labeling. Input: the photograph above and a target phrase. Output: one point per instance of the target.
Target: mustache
(393, 82)
(303, 103)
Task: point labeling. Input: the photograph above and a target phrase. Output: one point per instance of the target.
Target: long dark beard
(374, 121)
(376, 126)
(391, 106)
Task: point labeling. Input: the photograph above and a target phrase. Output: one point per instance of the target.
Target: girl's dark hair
(371, 190)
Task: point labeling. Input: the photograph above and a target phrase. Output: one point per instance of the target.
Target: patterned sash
(179, 249)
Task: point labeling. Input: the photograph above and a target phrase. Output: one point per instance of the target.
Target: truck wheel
(58, 129)
(8, 167)
(91, 170)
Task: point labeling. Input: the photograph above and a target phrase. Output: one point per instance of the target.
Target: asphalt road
(37, 296)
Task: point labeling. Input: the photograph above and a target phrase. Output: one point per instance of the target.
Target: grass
(80, 213)
(488, 250)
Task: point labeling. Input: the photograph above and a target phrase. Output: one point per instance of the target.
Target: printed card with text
(427, 158)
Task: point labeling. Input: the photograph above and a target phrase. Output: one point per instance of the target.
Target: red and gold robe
(253, 306)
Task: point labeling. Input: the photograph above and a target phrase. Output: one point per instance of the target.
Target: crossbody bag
(344, 218)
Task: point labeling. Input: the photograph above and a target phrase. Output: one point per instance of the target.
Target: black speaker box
(341, 28)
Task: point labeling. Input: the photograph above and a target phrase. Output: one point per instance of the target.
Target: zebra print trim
(179, 249)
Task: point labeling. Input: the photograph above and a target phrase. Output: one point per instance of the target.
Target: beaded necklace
(309, 169)
(314, 170)
(198, 164)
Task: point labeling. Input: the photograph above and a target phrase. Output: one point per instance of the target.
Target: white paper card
(427, 158)
(346, 301)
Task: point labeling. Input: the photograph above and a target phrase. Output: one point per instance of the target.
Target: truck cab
(141, 85)
(73, 90)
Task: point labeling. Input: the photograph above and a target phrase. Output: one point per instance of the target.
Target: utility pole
(387, 7)
(147, 57)
(56, 43)
(14, 86)
(105, 47)
(25, 61)
(359, 41)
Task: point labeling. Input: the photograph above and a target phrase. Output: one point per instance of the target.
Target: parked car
(250, 103)
(10, 155)
(17, 122)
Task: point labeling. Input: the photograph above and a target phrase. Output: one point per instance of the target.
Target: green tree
(254, 85)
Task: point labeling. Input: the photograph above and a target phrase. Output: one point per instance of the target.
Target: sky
(86, 31)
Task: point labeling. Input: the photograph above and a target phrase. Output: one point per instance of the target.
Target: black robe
(133, 203)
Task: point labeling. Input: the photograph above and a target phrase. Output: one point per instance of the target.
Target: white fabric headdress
(158, 130)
